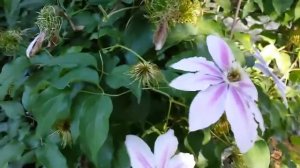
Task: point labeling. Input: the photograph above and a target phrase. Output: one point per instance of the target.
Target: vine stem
(125, 48)
(235, 18)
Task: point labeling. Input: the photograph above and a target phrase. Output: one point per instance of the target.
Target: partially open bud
(36, 45)
(146, 73)
(10, 41)
(160, 35)
(63, 128)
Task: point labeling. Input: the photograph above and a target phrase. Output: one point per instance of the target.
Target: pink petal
(195, 64)
(182, 160)
(241, 120)
(194, 81)
(139, 152)
(220, 52)
(164, 148)
(247, 87)
(207, 107)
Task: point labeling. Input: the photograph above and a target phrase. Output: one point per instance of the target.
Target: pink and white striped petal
(220, 52)
(139, 152)
(182, 160)
(197, 64)
(241, 120)
(207, 107)
(164, 148)
(194, 81)
(246, 86)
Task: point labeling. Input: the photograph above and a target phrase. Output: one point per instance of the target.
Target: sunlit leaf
(258, 156)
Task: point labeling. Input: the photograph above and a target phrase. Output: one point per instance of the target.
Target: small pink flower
(223, 86)
(164, 149)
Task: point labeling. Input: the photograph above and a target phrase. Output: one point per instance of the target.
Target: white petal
(194, 81)
(29, 48)
(247, 87)
(257, 114)
(241, 120)
(220, 52)
(182, 160)
(164, 148)
(139, 152)
(197, 64)
(207, 107)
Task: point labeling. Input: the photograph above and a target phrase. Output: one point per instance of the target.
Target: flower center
(234, 75)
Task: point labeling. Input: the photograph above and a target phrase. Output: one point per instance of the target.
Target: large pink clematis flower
(223, 86)
(165, 147)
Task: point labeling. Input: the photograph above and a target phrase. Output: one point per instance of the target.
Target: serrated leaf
(94, 123)
(77, 75)
(282, 5)
(12, 109)
(258, 156)
(68, 60)
(10, 151)
(50, 156)
(48, 107)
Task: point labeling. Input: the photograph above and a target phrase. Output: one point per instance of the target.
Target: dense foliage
(79, 75)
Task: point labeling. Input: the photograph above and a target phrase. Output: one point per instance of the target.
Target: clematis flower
(223, 86)
(164, 149)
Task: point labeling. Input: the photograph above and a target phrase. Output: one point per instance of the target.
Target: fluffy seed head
(9, 41)
(48, 21)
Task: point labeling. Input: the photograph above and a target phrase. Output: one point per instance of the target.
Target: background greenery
(73, 103)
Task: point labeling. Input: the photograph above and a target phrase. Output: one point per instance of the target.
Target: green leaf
(50, 156)
(260, 4)
(295, 140)
(225, 4)
(105, 154)
(68, 60)
(77, 75)
(94, 123)
(283, 62)
(120, 77)
(282, 5)
(297, 11)
(13, 75)
(50, 106)
(121, 159)
(12, 109)
(295, 75)
(12, 10)
(258, 156)
(138, 36)
(11, 151)
(248, 8)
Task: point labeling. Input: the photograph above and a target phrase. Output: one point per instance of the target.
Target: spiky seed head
(10, 41)
(174, 11)
(146, 73)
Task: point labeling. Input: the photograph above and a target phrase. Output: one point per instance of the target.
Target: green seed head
(48, 21)
(10, 41)
(174, 11)
(146, 73)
